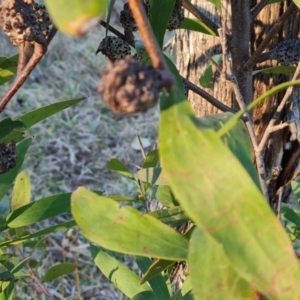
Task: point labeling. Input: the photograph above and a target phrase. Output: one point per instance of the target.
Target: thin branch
(213, 62)
(212, 100)
(199, 15)
(279, 109)
(141, 145)
(115, 31)
(278, 24)
(258, 8)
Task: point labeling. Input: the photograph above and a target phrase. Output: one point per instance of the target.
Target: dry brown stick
(258, 8)
(279, 109)
(278, 24)
(199, 15)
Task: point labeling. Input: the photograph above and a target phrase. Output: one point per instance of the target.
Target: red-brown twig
(147, 35)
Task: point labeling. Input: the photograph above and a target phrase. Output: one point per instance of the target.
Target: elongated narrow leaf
(33, 117)
(22, 191)
(195, 25)
(7, 292)
(219, 279)
(75, 17)
(116, 165)
(276, 70)
(158, 283)
(124, 229)
(160, 12)
(219, 196)
(58, 270)
(51, 229)
(8, 178)
(39, 210)
(123, 278)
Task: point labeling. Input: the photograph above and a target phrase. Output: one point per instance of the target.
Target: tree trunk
(191, 62)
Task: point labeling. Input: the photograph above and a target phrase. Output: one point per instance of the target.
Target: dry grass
(72, 148)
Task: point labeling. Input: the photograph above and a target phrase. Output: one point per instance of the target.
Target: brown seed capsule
(176, 18)
(126, 18)
(24, 22)
(287, 52)
(8, 156)
(114, 48)
(128, 86)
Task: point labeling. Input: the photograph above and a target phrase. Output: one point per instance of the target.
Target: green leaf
(196, 25)
(55, 228)
(7, 126)
(173, 217)
(151, 160)
(217, 3)
(156, 268)
(116, 165)
(5, 275)
(276, 70)
(33, 117)
(290, 215)
(7, 291)
(39, 210)
(160, 12)
(158, 283)
(108, 14)
(296, 190)
(154, 176)
(124, 229)
(206, 80)
(147, 295)
(219, 280)
(220, 197)
(124, 279)
(297, 2)
(75, 17)
(162, 194)
(237, 139)
(8, 68)
(21, 194)
(8, 178)
(58, 270)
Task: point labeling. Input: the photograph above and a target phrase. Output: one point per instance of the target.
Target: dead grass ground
(72, 148)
